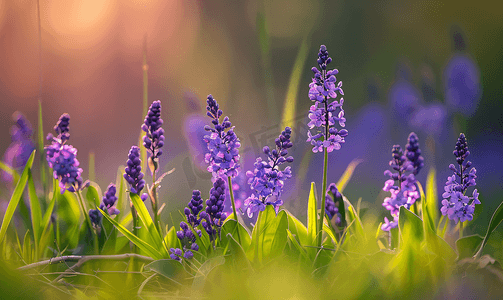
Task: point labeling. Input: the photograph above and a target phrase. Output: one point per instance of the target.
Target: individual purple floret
(95, 217)
(108, 202)
(223, 146)
(134, 175)
(175, 254)
(19, 151)
(330, 208)
(154, 138)
(456, 205)
(323, 114)
(405, 193)
(62, 128)
(193, 208)
(267, 180)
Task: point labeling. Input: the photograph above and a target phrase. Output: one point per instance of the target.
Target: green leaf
(411, 226)
(348, 173)
(231, 227)
(468, 245)
(312, 226)
(151, 251)
(204, 270)
(290, 104)
(46, 220)
(297, 228)
(16, 196)
(496, 219)
(269, 235)
(27, 247)
(147, 221)
(172, 241)
(353, 217)
(36, 213)
(168, 268)
(92, 195)
(297, 245)
(238, 254)
(40, 140)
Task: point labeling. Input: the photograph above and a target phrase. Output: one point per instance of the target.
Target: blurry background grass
(244, 54)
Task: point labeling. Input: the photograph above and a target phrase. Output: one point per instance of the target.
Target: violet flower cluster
(154, 137)
(323, 114)
(332, 196)
(214, 216)
(223, 144)
(193, 208)
(107, 205)
(456, 205)
(134, 175)
(405, 193)
(267, 179)
(62, 158)
(21, 147)
(188, 240)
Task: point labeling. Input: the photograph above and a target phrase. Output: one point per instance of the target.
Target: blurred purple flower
(19, 151)
(405, 100)
(462, 84)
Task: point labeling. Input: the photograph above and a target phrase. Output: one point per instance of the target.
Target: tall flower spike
(405, 193)
(62, 158)
(222, 143)
(267, 179)
(193, 208)
(134, 175)
(154, 138)
(456, 205)
(324, 114)
(108, 202)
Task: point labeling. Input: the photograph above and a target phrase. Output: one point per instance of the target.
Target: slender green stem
(155, 204)
(323, 191)
(135, 223)
(89, 223)
(234, 207)
(460, 229)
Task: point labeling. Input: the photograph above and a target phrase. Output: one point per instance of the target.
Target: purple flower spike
(134, 175)
(456, 205)
(223, 144)
(215, 204)
(324, 114)
(267, 179)
(62, 128)
(95, 217)
(108, 202)
(154, 138)
(330, 208)
(193, 208)
(413, 153)
(405, 193)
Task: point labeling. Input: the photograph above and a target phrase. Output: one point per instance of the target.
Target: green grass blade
(411, 226)
(27, 247)
(92, 168)
(290, 105)
(9, 170)
(16, 196)
(353, 217)
(147, 221)
(297, 228)
(40, 139)
(274, 236)
(151, 251)
(496, 219)
(36, 212)
(297, 245)
(432, 198)
(46, 220)
(312, 226)
(348, 173)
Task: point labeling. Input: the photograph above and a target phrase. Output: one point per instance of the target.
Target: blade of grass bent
(36, 213)
(16, 196)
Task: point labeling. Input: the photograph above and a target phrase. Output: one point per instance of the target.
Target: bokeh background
(433, 67)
